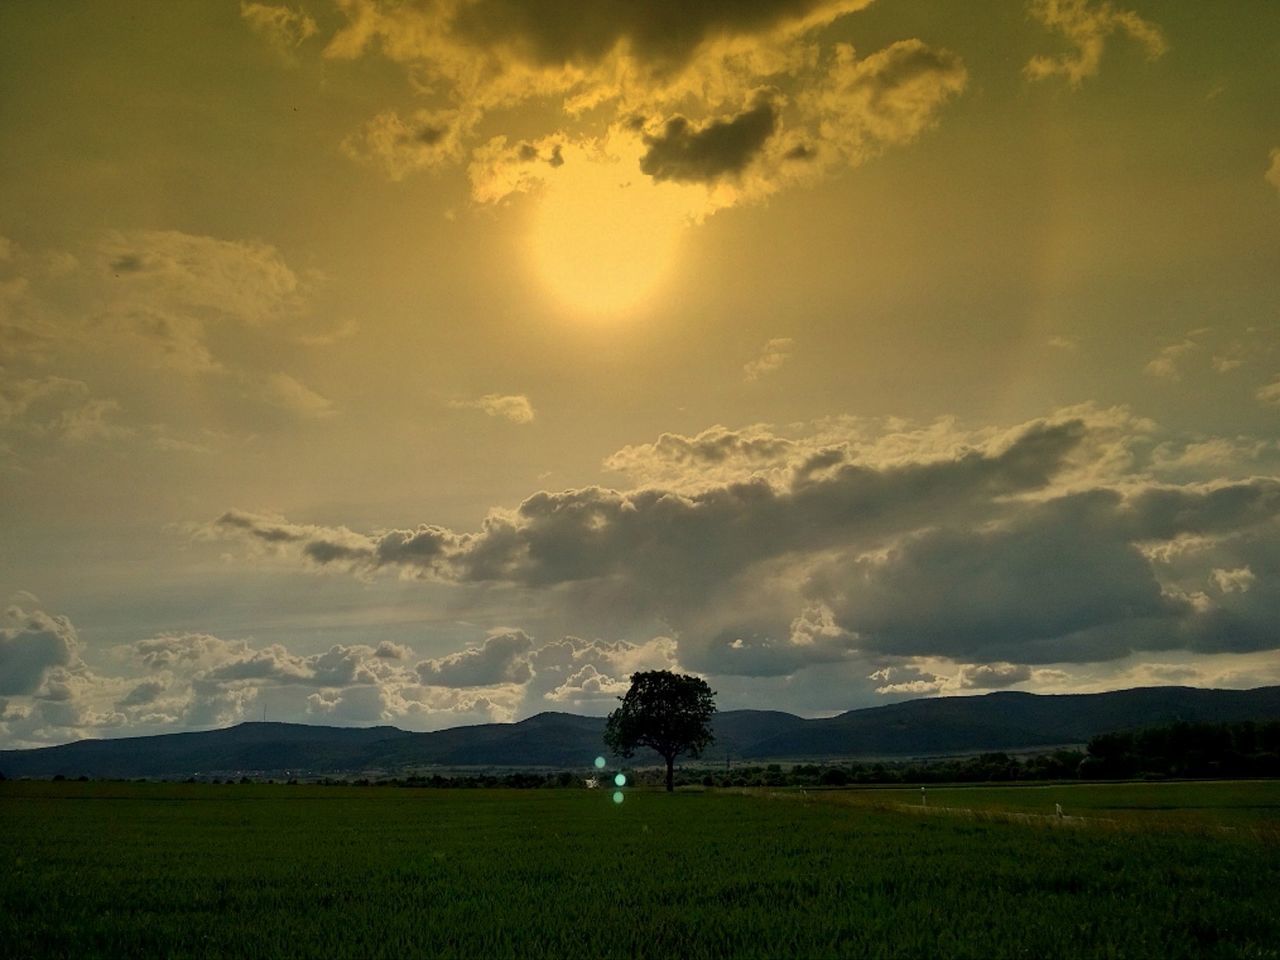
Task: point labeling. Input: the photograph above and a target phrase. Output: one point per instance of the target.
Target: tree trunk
(671, 784)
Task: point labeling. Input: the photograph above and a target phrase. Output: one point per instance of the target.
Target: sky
(443, 362)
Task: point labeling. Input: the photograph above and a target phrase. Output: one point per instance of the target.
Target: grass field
(1240, 806)
(199, 870)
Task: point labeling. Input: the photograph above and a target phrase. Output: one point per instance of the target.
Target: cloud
(500, 658)
(718, 148)
(711, 457)
(588, 684)
(1234, 581)
(1165, 363)
(279, 25)
(1077, 538)
(163, 291)
(676, 75)
(427, 140)
(590, 672)
(360, 704)
(31, 646)
(339, 666)
(890, 97)
(143, 694)
(297, 398)
(645, 535)
(139, 300)
(514, 407)
(1269, 393)
(1087, 26)
(500, 168)
(935, 677)
(993, 676)
(199, 275)
(772, 356)
(497, 50)
(58, 407)
(327, 338)
(1046, 586)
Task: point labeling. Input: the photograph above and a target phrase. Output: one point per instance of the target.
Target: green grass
(194, 870)
(1251, 806)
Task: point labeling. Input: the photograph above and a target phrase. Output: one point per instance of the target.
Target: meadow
(104, 869)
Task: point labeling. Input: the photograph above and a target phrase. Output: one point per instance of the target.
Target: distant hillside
(945, 725)
(1010, 721)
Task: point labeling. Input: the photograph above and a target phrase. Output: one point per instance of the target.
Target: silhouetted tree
(670, 713)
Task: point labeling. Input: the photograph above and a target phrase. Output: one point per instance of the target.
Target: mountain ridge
(1002, 720)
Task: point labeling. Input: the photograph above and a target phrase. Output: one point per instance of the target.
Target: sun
(605, 237)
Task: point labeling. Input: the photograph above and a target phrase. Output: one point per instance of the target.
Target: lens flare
(599, 763)
(620, 780)
(617, 796)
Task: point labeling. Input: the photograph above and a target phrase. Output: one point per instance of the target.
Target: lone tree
(668, 712)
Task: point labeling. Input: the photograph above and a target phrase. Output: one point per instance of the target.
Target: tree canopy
(670, 713)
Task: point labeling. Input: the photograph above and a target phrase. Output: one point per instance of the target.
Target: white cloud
(772, 356)
(1087, 25)
(1269, 393)
(399, 147)
(500, 658)
(293, 395)
(281, 26)
(513, 407)
(1165, 364)
(58, 407)
(586, 685)
(887, 98)
(1234, 581)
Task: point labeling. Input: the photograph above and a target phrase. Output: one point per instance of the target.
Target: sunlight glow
(605, 236)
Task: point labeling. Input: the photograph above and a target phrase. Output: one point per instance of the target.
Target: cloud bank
(1079, 538)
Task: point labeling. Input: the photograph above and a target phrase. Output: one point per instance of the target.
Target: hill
(944, 725)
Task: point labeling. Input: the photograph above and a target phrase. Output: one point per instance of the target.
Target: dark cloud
(128, 263)
(991, 552)
(662, 33)
(338, 667)
(144, 693)
(30, 647)
(669, 543)
(1161, 513)
(259, 528)
(1036, 588)
(430, 136)
(689, 154)
(993, 676)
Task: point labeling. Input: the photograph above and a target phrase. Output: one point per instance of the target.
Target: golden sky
(435, 362)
